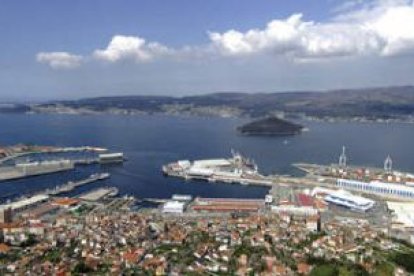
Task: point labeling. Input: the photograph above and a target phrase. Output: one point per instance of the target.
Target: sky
(55, 49)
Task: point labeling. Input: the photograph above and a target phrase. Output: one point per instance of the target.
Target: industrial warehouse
(389, 190)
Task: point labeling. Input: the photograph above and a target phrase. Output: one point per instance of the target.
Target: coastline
(290, 116)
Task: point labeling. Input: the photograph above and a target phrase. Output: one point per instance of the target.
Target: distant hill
(14, 108)
(381, 102)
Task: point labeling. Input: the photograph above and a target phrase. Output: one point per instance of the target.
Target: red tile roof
(305, 200)
(4, 248)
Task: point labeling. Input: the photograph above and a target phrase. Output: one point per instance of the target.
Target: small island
(271, 126)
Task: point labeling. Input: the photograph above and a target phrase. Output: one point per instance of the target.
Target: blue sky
(72, 49)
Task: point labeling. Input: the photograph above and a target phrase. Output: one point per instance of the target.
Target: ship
(237, 169)
(116, 157)
(203, 169)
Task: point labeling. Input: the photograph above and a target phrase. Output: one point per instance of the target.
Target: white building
(25, 203)
(211, 163)
(403, 214)
(320, 191)
(388, 190)
(313, 223)
(268, 199)
(294, 210)
(173, 207)
(348, 200)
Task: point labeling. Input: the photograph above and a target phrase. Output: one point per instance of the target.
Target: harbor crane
(342, 158)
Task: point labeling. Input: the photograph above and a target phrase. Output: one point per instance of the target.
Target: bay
(152, 141)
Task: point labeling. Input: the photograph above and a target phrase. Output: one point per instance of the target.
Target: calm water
(151, 141)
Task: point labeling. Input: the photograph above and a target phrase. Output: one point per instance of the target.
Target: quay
(98, 194)
(14, 152)
(24, 170)
(242, 179)
(42, 196)
(34, 169)
(85, 161)
(29, 169)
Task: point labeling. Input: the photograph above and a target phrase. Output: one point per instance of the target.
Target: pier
(70, 186)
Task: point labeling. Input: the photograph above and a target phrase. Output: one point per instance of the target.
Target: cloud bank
(385, 28)
(375, 28)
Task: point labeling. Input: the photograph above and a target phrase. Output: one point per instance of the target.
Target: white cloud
(279, 35)
(378, 28)
(59, 60)
(130, 47)
(358, 28)
(396, 27)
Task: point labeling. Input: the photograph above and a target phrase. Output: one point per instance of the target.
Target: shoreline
(294, 117)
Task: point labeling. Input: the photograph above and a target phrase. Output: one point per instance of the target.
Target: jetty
(71, 185)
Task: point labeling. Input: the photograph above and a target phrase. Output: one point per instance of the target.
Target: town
(109, 238)
(104, 234)
(296, 229)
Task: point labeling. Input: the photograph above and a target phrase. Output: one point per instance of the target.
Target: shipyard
(381, 196)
